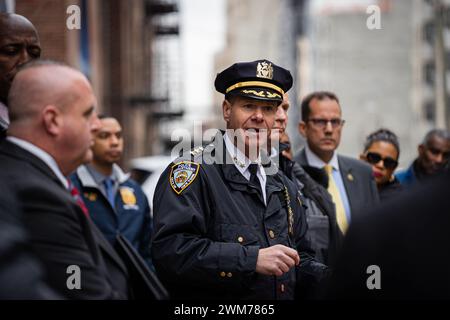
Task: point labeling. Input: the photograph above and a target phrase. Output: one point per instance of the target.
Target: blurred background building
(130, 52)
(153, 62)
(395, 77)
(384, 77)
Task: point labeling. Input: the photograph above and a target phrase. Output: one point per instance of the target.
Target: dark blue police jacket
(130, 217)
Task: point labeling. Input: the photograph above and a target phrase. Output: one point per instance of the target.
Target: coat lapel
(300, 158)
(14, 151)
(349, 181)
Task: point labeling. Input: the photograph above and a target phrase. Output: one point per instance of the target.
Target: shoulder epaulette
(196, 151)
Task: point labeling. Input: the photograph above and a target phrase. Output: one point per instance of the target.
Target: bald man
(52, 112)
(19, 44)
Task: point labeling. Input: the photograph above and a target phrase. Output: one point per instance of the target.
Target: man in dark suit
(349, 181)
(52, 111)
(19, 44)
(21, 275)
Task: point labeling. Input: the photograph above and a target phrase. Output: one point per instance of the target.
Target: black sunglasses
(388, 162)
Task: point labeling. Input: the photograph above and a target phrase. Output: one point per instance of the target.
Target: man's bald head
(42, 83)
(14, 20)
(53, 107)
(19, 44)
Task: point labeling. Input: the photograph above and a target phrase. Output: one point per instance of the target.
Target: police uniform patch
(127, 195)
(182, 175)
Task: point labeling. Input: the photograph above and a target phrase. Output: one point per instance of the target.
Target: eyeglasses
(322, 123)
(388, 162)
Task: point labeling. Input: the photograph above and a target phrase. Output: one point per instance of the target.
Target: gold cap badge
(264, 70)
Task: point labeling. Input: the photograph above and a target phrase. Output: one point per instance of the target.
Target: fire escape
(164, 98)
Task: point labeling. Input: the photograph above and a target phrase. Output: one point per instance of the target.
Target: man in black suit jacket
(52, 109)
(21, 275)
(352, 180)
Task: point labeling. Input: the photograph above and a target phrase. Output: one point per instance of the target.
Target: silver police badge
(182, 175)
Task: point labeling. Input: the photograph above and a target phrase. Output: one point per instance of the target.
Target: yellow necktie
(336, 195)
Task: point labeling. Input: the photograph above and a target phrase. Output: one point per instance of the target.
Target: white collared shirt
(315, 161)
(242, 163)
(41, 154)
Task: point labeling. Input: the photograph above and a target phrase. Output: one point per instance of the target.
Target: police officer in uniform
(225, 225)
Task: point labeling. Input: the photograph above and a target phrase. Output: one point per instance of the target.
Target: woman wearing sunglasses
(381, 151)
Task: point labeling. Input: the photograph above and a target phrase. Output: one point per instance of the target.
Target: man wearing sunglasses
(434, 154)
(349, 181)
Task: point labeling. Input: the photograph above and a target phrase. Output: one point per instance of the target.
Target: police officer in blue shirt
(115, 202)
(227, 223)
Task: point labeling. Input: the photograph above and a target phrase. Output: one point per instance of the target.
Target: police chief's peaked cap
(260, 79)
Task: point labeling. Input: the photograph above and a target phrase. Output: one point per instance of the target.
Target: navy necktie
(254, 180)
(109, 189)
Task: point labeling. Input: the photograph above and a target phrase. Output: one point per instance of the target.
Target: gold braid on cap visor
(255, 84)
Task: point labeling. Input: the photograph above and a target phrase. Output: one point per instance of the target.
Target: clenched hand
(276, 260)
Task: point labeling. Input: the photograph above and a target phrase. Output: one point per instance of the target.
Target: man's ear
(52, 118)
(302, 128)
(421, 149)
(362, 157)
(226, 109)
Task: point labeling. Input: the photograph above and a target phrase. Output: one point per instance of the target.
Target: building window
(429, 73)
(428, 32)
(430, 111)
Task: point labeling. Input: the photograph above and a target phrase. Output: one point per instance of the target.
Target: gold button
(229, 274)
(240, 239)
(223, 274)
(271, 234)
(282, 288)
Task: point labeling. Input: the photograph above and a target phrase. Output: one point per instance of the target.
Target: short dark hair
(319, 95)
(440, 133)
(382, 135)
(231, 97)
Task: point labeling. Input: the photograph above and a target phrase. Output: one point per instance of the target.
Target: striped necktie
(76, 195)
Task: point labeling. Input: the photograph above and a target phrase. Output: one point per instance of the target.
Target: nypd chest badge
(182, 175)
(127, 195)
